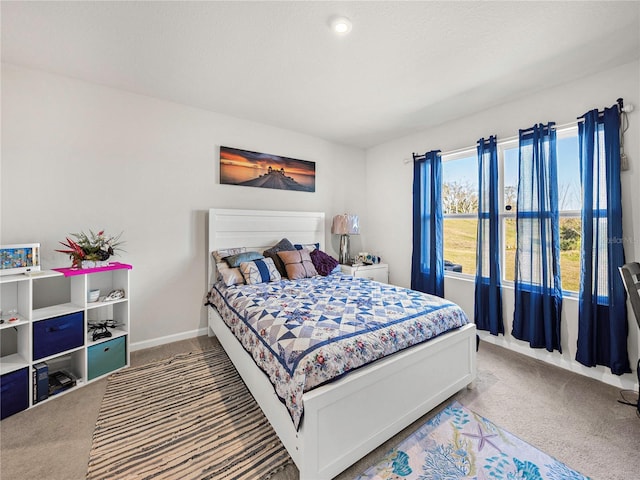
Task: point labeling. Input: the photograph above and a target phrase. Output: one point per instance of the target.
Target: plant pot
(94, 264)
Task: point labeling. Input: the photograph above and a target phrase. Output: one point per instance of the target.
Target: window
(460, 211)
(460, 207)
(508, 160)
(569, 205)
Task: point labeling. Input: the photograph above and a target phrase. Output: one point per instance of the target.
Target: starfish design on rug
(483, 438)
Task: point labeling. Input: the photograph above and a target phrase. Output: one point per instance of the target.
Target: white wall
(391, 233)
(79, 156)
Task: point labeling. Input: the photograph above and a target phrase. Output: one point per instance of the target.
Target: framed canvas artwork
(264, 170)
(20, 258)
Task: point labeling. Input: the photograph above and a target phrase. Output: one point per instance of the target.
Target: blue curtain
(488, 292)
(538, 291)
(427, 264)
(602, 327)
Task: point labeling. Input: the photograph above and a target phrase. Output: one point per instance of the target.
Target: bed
(347, 418)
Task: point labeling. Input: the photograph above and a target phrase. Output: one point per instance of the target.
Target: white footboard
(346, 419)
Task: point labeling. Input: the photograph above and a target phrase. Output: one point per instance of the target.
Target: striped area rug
(188, 417)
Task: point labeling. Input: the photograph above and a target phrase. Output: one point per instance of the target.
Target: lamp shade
(345, 225)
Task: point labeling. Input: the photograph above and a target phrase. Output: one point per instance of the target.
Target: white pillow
(220, 255)
(307, 246)
(230, 276)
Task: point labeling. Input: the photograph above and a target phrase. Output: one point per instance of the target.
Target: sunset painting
(253, 169)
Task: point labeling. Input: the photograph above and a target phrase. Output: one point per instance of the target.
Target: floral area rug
(459, 444)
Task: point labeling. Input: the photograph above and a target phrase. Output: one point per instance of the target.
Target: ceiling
(405, 67)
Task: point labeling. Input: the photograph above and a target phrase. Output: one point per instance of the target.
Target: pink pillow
(298, 264)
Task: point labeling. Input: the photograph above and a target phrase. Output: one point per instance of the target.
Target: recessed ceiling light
(341, 25)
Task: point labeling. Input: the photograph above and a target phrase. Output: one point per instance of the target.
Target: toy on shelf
(101, 329)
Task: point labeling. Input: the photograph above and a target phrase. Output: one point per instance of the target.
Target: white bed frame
(346, 419)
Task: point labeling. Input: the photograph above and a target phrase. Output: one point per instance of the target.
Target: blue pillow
(235, 260)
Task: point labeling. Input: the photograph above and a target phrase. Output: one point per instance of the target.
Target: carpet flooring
(570, 417)
(189, 417)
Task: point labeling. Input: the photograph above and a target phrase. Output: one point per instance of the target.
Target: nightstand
(378, 272)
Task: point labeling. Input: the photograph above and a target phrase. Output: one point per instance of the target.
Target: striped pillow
(260, 271)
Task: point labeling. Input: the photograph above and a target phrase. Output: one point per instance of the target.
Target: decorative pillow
(259, 271)
(238, 258)
(298, 264)
(230, 276)
(324, 263)
(308, 246)
(220, 255)
(283, 245)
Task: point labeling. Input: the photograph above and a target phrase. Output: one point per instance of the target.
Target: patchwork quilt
(305, 333)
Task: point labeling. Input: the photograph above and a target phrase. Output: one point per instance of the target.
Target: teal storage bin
(106, 357)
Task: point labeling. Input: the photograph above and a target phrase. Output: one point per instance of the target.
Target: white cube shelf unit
(46, 319)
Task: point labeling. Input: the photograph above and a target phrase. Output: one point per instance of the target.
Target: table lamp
(345, 225)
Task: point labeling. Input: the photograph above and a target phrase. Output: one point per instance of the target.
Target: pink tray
(69, 272)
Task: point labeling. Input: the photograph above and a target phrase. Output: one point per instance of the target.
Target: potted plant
(92, 250)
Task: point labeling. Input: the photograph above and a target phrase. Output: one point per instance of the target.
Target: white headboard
(260, 229)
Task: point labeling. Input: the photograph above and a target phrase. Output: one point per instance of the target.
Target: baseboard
(168, 339)
(600, 373)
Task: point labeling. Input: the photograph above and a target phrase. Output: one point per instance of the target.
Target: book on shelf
(40, 382)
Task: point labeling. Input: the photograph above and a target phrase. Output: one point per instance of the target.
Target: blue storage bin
(58, 334)
(106, 357)
(14, 392)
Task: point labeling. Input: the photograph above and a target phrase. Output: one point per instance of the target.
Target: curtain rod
(473, 149)
(622, 108)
